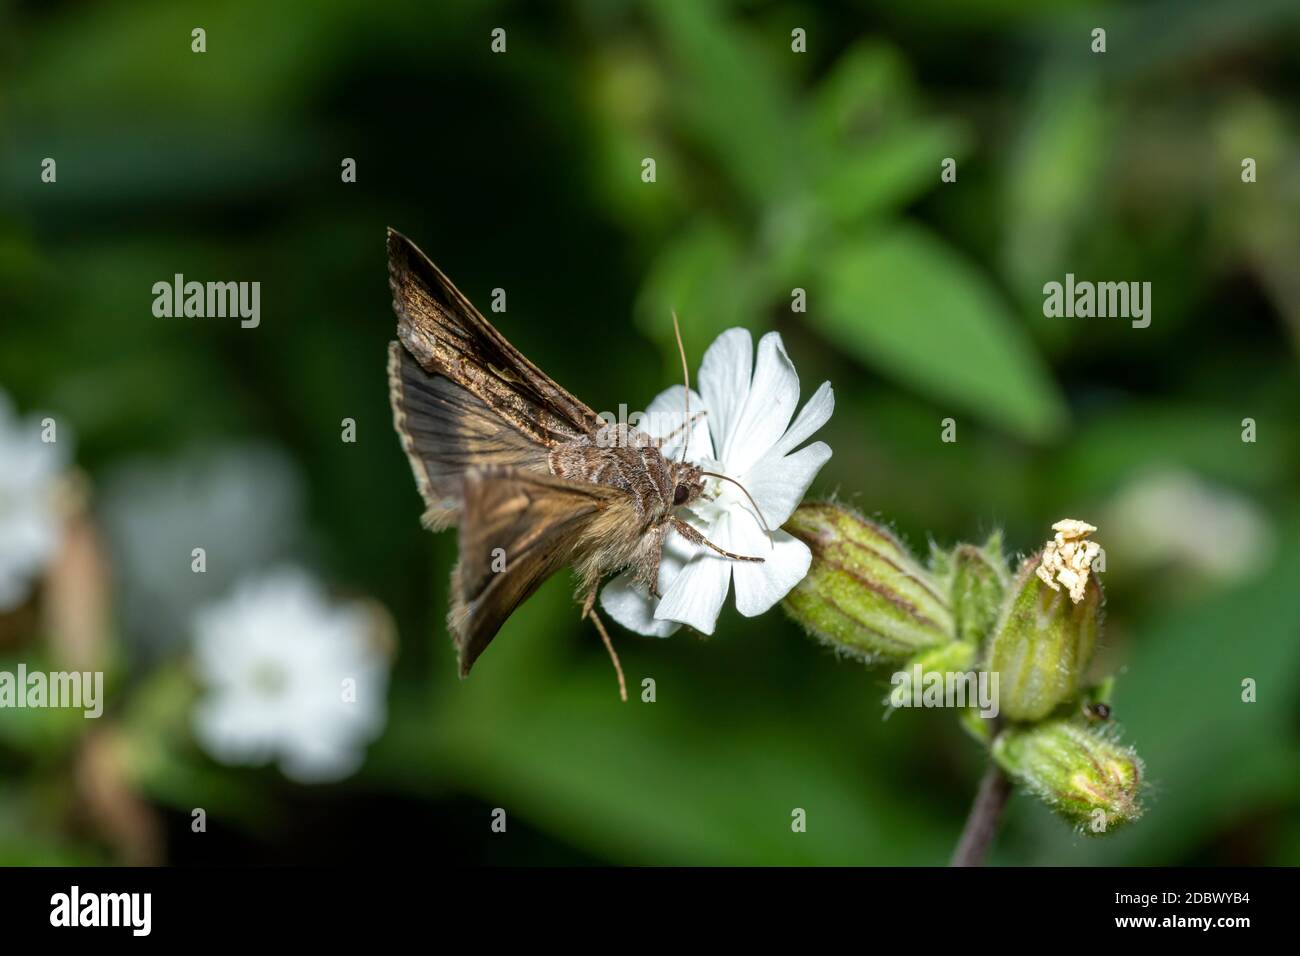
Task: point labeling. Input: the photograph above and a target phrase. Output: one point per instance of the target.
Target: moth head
(688, 483)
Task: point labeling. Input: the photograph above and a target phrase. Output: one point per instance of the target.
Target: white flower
(289, 677)
(1174, 520)
(748, 436)
(241, 503)
(30, 524)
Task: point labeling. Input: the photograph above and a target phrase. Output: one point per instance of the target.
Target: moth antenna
(761, 519)
(686, 387)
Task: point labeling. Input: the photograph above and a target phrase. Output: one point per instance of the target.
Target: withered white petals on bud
(1072, 529)
(1067, 558)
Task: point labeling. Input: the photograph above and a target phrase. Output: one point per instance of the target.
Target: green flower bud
(979, 581)
(1043, 643)
(947, 659)
(865, 593)
(1079, 772)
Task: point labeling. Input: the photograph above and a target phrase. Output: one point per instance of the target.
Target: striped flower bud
(1043, 643)
(979, 582)
(1080, 772)
(865, 593)
(950, 658)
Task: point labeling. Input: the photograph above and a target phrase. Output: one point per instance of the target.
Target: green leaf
(735, 102)
(868, 88)
(1193, 435)
(870, 153)
(907, 304)
(702, 276)
(886, 172)
(1052, 180)
(708, 774)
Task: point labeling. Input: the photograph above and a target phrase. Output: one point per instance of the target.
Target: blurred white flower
(242, 504)
(290, 677)
(30, 521)
(748, 436)
(1174, 518)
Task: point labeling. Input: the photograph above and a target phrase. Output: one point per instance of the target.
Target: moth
(534, 480)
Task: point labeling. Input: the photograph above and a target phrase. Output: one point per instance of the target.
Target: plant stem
(982, 823)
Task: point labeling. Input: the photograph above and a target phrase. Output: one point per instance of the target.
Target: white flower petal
(815, 413)
(236, 729)
(320, 759)
(724, 380)
(663, 416)
(634, 608)
(785, 562)
(697, 593)
(778, 484)
(31, 525)
(773, 395)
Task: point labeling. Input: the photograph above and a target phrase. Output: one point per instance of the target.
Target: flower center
(269, 678)
(720, 497)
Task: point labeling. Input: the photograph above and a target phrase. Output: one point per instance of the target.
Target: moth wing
(448, 336)
(517, 529)
(446, 430)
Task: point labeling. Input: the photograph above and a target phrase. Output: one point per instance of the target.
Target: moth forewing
(449, 337)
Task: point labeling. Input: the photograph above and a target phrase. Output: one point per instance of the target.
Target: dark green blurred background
(775, 170)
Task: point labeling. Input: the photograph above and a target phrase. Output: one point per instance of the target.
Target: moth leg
(589, 611)
(660, 442)
(690, 534)
(646, 568)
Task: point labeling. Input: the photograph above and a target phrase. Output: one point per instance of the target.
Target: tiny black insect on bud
(1096, 710)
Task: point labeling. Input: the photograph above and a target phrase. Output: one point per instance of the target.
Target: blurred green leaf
(906, 303)
(707, 774)
(704, 277)
(868, 89)
(886, 173)
(734, 100)
(634, 787)
(1052, 179)
(45, 733)
(1115, 447)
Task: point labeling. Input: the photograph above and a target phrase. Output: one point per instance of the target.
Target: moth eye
(681, 494)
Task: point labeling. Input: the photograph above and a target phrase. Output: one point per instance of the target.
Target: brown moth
(535, 480)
